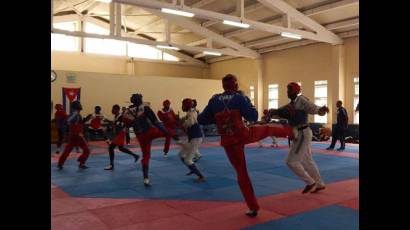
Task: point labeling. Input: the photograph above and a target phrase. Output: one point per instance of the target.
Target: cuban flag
(70, 95)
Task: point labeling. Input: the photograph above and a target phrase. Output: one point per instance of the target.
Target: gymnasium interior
(104, 51)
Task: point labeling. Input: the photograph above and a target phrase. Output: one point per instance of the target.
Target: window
(356, 99)
(143, 51)
(63, 42)
(168, 57)
(320, 99)
(273, 96)
(252, 94)
(103, 46)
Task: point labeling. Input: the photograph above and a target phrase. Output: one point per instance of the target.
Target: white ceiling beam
(63, 6)
(304, 42)
(196, 5)
(286, 21)
(98, 22)
(124, 21)
(185, 63)
(71, 6)
(92, 7)
(197, 43)
(274, 39)
(202, 3)
(197, 29)
(240, 8)
(52, 23)
(177, 54)
(309, 13)
(118, 19)
(58, 7)
(167, 31)
(112, 17)
(343, 24)
(218, 16)
(265, 41)
(199, 55)
(185, 57)
(302, 18)
(89, 5)
(218, 59)
(330, 7)
(149, 24)
(209, 42)
(152, 43)
(287, 46)
(248, 9)
(66, 18)
(349, 34)
(182, 56)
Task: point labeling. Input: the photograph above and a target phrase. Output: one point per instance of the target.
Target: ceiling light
(105, 1)
(212, 53)
(168, 47)
(238, 24)
(290, 35)
(177, 12)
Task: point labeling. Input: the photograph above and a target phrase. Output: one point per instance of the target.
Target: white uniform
(190, 149)
(197, 154)
(300, 159)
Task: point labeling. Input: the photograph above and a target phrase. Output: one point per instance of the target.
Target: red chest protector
(96, 123)
(168, 117)
(231, 127)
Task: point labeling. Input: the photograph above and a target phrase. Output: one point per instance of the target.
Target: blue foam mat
(266, 167)
(330, 218)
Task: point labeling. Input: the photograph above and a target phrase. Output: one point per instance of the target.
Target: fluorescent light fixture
(106, 1)
(238, 24)
(212, 53)
(290, 35)
(168, 47)
(177, 12)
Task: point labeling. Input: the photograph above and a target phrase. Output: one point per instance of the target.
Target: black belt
(303, 127)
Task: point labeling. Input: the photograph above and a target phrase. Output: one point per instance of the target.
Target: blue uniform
(227, 110)
(233, 101)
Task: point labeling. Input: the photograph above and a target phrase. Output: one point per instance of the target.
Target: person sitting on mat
(95, 121)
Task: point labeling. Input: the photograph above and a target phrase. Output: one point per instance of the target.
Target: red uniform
(119, 140)
(120, 131)
(60, 118)
(75, 139)
(169, 119)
